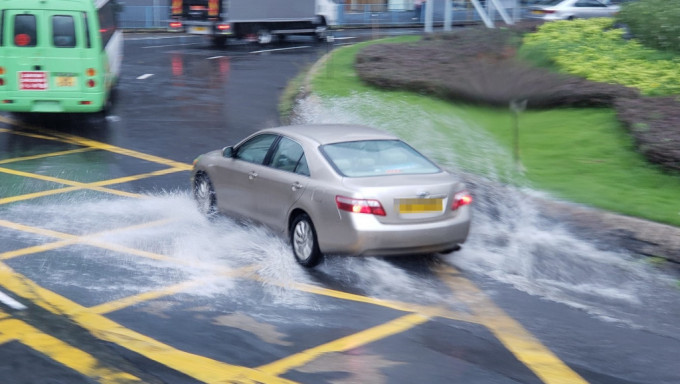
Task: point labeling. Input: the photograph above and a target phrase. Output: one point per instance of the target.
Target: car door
(234, 177)
(280, 185)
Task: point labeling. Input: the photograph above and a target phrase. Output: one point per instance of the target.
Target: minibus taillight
(91, 83)
(90, 72)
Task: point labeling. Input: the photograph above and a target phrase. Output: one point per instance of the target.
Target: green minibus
(58, 55)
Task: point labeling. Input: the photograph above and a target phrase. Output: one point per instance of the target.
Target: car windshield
(377, 158)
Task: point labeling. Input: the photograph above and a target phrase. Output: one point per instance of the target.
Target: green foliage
(656, 23)
(593, 49)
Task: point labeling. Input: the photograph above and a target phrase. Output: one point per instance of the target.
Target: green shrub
(595, 50)
(656, 23)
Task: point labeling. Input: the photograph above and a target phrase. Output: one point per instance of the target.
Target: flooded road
(98, 228)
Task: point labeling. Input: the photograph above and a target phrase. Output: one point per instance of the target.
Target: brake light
(91, 83)
(223, 27)
(460, 199)
(349, 204)
(176, 24)
(2, 81)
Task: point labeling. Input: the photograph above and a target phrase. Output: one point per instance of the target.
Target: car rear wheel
(304, 242)
(204, 193)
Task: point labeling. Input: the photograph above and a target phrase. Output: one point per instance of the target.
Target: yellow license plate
(199, 29)
(420, 205)
(65, 81)
(537, 12)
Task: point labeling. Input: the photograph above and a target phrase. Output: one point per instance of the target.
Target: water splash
(510, 240)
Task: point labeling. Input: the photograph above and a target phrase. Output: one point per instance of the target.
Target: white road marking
(145, 76)
(10, 302)
(168, 45)
(281, 49)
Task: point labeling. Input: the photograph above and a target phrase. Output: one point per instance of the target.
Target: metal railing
(393, 14)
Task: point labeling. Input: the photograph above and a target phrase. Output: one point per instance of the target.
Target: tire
(204, 194)
(304, 242)
(218, 41)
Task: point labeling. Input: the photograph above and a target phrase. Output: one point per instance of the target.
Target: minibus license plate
(65, 81)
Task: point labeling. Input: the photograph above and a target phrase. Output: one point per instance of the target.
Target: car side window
(588, 3)
(287, 156)
(302, 167)
(255, 150)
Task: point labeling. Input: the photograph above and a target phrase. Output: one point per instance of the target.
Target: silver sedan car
(571, 9)
(341, 189)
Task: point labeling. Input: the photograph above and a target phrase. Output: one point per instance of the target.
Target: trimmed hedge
(478, 65)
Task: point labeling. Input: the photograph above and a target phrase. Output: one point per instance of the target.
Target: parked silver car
(571, 9)
(341, 189)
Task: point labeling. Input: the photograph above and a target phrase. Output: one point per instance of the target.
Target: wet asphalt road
(125, 282)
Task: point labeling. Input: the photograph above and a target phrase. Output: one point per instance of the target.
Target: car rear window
(25, 33)
(63, 31)
(377, 158)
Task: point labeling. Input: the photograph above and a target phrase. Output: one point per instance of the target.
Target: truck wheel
(264, 36)
(218, 41)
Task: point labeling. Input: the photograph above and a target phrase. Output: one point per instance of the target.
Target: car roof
(332, 133)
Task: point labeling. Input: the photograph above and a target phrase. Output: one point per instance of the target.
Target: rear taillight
(460, 199)
(223, 27)
(175, 24)
(349, 204)
(2, 72)
(548, 11)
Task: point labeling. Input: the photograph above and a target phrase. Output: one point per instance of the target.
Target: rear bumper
(364, 235)
(47, 105)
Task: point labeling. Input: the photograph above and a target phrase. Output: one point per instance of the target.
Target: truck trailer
(253, 20)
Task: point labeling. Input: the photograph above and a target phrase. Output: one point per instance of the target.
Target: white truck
(253, 20)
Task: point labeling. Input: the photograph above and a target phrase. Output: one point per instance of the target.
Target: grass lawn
(578, 154)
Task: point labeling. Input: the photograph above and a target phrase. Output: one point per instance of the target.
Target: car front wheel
(204, 193)
(304, 242)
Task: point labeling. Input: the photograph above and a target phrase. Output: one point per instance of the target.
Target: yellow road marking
(358, 339)
(67, 355)
(45, 155)
(81, 141)
(392, 304)
(36, 249)
(196, 366)
(518, 340)
(28, 134)
(116, 305)
(35, 195)
(67, 182)
(94, 185)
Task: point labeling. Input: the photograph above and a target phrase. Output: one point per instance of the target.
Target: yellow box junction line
(67, 355)
(518, 340)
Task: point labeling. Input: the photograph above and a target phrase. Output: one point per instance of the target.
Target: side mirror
(228, 152)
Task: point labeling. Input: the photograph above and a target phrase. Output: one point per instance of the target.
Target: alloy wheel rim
(303, 240)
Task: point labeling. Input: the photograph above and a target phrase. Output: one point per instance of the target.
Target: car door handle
(252, 175)
(296, 186)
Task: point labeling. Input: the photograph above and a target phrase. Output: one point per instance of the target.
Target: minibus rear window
(63, 31)
(25, 34)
